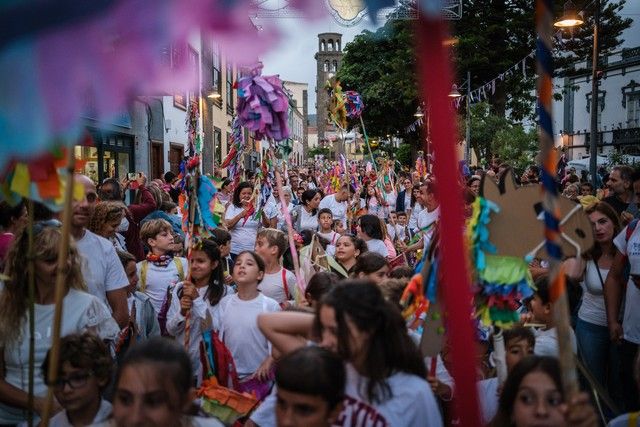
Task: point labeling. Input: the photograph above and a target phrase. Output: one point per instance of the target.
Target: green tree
(576, 46)
(381, 67)
(494, 135)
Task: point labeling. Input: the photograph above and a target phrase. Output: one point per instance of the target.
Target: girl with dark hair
(372, 200)
(312, 378)
(533, 395)
(348, 249)
(154, 386)
(370, 230)
(305, 216)
(371, 266)
(385, 382)
(235, 320)
(195, 297)
(320, 283)
(239, 219)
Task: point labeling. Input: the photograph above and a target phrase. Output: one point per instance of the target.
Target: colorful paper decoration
(263, 105)
(353, 104)
(233, 161)
(337, 109)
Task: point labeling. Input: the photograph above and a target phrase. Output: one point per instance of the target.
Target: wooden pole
(60, 286)
(32, 323)
(287, 217)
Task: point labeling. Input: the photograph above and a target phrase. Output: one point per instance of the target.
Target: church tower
(328, 60)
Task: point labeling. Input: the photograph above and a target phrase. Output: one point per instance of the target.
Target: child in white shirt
(278, 283)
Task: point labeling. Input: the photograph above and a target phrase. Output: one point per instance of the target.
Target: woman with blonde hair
(105, 220)
(81, 312)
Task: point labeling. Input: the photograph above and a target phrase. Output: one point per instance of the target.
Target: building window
(217, 145)
(330, 46)
(325, 67)
(334, 66)
(229, 73)
(194, 58)
(633, 110)
(323, 46)
(216, 77)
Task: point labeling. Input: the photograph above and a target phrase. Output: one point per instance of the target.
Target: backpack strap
(180, 268)
(630, 229)
(143, 275)
(633, 419)
(284, 283)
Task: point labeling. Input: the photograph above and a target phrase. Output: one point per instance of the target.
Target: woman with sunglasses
(82, 312)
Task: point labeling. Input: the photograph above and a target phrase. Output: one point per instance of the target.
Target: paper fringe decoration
(223, 403)
(41, 179)
(502, 282)
(263, 105)
(233, 161)
(353, 104)
(337, 108)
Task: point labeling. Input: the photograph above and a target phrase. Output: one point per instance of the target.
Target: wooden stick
(287, 217)
(32, 323)
(63, 255)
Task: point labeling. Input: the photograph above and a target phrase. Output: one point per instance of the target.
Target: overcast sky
(293, 58)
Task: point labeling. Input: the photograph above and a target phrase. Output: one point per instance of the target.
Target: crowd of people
(332, 350)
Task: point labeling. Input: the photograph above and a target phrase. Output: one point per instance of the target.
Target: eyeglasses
(74, 381)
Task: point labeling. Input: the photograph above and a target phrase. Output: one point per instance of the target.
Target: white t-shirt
(308, 221)
(243, 234)
(547, 342)
(631, 319)
(592, 308)
(338, 209)
(159, 278)
(378, 246)
(424, 219)
(413, 219)
(236, 322)
(272, 286)
(332, 237)
(412, 403)
(391, 199)
(282, 223)
(620, 421)
(82, 312)
(101, 267)
(62, 420)
(187, 420)
(488, 396)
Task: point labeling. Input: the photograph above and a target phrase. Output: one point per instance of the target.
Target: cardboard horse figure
(505, 233)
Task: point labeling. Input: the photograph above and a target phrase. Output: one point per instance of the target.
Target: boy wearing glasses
(84, 372)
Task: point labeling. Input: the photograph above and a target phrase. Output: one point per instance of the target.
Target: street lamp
(455, 93)
(569, 20)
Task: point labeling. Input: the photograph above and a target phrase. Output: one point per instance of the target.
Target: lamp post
(456, 94)
(571, 19)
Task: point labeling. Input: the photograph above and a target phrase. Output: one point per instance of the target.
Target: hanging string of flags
(483, 92)
(489, 89)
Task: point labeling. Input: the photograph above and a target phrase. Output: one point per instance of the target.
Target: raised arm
(287, 331)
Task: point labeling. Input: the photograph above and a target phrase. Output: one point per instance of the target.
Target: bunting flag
(488, 89)
(41, 179)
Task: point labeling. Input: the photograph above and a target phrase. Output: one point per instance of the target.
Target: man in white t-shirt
(427, 218)
(337, 203)
(627, 334)
(101, 268)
